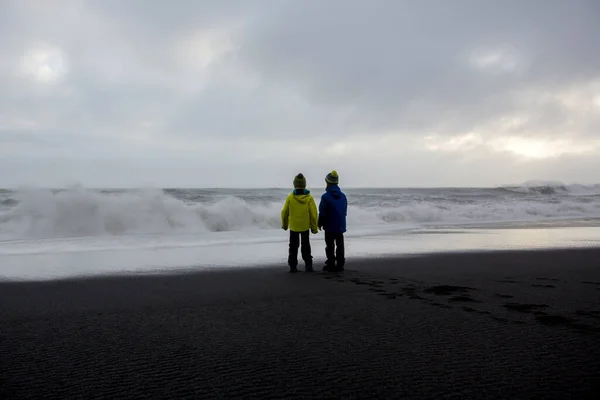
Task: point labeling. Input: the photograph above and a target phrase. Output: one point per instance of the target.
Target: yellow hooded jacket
(299, 213)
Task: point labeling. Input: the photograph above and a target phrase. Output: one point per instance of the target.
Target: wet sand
(499, 325)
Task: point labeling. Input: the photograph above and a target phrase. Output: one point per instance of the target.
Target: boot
(329, 267)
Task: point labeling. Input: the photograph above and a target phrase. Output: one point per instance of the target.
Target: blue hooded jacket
(333, 210)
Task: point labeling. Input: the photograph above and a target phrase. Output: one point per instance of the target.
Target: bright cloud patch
(540, 148)
(495, 59)
(464, 142)
(529, 148)
(43, 64)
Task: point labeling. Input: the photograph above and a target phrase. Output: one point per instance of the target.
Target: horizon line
(29, 187)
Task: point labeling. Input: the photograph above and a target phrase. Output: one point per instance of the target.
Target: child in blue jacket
(333, 210)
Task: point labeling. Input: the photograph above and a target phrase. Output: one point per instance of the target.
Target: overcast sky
(247, 93)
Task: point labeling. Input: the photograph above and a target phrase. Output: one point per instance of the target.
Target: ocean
(73, 231)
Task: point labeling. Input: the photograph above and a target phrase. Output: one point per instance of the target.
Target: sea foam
(81, 212)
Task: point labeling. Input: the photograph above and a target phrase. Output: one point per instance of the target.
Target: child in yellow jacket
(299, 214)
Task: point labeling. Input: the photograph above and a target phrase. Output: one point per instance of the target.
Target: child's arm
(322, 212)
(285, 214)
(312, 213)
(345, 206)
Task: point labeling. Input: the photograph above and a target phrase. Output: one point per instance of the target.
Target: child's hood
(334, 190)
(301, 196)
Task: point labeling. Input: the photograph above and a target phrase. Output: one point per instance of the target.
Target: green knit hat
(299, 182)
(332, 178)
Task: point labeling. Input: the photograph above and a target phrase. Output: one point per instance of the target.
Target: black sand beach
(499, 325)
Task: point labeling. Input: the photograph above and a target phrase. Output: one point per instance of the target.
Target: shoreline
(493, 324)
(372, 260)
(107, 256)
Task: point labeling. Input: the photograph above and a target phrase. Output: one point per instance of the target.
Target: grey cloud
(263, 114)
(161, 18)
(388, 65)
(384, 55)
(312, 71)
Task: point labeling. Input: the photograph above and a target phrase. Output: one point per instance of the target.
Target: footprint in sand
(416, 297)
(507, 321)
(590, 283)
(463, 299)
(549, 319)
(459, 292)
(441, 305)
(446, 290)
(591, 314)
(391, 296)
(474, 310)
(559, 320)
(525, 308)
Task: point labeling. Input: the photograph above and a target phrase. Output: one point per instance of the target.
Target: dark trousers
(295, 238)
(334, 249)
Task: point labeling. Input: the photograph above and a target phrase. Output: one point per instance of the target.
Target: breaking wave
(551, 187)
(79, 212)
